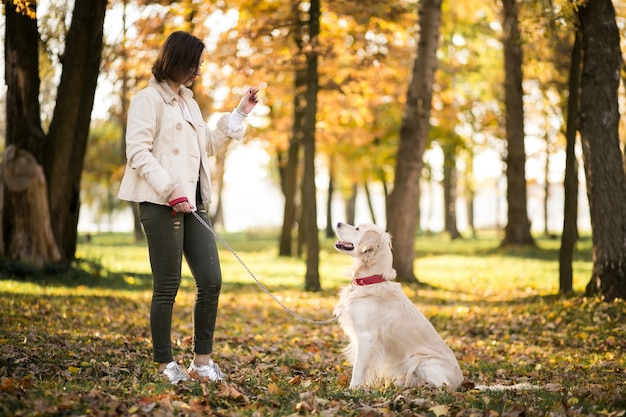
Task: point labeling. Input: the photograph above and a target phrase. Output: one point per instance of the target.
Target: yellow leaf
(7, 384)
(73, 370)
(273, 389)
(439, 410)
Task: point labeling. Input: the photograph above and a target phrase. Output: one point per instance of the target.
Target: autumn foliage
(78, 343)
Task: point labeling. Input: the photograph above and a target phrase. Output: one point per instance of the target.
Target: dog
(390, 339)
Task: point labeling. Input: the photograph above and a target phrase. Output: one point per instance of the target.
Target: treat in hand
(249, 100)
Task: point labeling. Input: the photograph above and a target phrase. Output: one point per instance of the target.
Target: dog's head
(370, 246)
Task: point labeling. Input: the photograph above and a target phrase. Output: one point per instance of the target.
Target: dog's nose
(339, 225)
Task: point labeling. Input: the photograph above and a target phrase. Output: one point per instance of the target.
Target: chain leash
(259, 283)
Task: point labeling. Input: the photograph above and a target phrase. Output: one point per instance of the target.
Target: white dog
(389, 337)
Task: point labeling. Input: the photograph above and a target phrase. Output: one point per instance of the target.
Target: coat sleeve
(142, 129)
(221, 134)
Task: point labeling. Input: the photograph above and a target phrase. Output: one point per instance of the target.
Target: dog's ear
(368, 246)
(375, 249)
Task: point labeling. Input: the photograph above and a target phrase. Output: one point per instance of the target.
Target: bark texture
(69, 128)
(30, 239)
(517, 230)
(606, 187)
(570, 183)
(402, 216)
(25, 234)
(309, 200)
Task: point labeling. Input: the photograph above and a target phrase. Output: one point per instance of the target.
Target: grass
(79, 343)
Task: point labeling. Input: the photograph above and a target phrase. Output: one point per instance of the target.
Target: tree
(517, 230)
(570, 182)
(23, 184)
(402, 214)
(606, 186)
(69, 129)
(309, 201)
(60, 153)
(466, 108)
(289, 168)
(450, 189)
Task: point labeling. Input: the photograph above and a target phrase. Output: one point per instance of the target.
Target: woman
(167, 147)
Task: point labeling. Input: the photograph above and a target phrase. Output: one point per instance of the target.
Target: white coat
(164, 150)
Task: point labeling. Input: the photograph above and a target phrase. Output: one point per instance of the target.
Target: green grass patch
(77, 342)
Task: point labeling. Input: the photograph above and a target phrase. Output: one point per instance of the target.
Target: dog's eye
(357, 229)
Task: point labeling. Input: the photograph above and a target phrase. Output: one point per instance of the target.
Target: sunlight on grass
(471, 265)
(88, 336)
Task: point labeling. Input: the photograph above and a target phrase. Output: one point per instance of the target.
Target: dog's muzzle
(347, 246)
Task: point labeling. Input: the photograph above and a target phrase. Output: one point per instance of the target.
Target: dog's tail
(525, 386)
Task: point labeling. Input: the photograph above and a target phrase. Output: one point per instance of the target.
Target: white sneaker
(209, 372)
(174, 373)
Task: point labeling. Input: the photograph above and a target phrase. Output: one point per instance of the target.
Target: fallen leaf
(272, 388)
(440, 410)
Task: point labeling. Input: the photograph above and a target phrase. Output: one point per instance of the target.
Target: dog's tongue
(344, 245)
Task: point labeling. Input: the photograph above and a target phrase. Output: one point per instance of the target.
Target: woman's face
(196, 72)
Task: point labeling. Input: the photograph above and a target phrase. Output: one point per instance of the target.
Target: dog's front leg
(362, 359)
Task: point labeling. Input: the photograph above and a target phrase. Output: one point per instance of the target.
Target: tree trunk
(402, 218)
(309, 200)
(370, 205)
(217, 185)
(470, 193)
(450, 192)
(606, 187)
(290, 169)
(546, 184)
(330, 230)
(351, 205)
(30, 238)
(517, 230)
(570, 183)
(330, 233)
(22, 79)
(69, 128)
(289, 179)
(25, 227)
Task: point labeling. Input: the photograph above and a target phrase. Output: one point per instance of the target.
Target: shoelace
(175, 374)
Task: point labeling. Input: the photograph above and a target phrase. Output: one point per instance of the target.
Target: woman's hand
(249, 100)
(179, 202)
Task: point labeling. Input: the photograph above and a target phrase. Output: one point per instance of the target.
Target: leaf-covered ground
(82, 347)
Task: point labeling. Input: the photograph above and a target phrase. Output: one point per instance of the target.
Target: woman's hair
(178, 58)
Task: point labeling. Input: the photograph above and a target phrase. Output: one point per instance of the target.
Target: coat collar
(166, 91)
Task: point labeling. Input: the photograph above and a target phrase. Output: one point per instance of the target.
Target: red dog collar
(374, 279)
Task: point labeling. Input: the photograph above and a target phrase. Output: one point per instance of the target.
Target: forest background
(497, 77)
(344, 90)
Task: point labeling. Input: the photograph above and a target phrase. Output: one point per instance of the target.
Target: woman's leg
(165, 235)
(200, 251)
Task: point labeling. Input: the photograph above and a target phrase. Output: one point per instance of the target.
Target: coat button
(179, 126)
(175, 151)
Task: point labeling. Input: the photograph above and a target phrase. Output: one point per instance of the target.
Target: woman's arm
(142, 129)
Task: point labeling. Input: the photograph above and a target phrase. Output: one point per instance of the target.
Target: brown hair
(178, 58)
